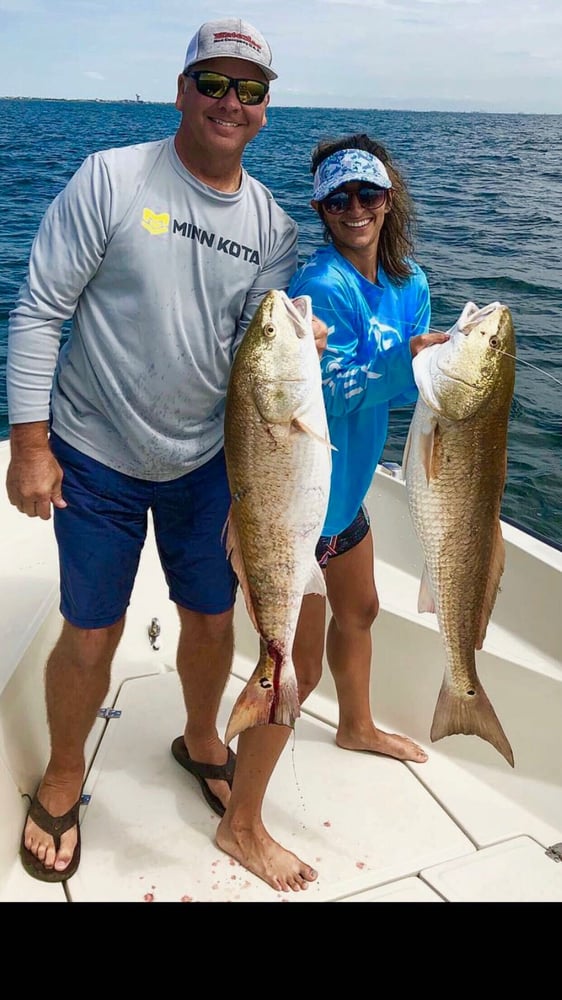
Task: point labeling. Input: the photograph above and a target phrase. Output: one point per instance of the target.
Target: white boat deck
(464, 827)
(374, 831)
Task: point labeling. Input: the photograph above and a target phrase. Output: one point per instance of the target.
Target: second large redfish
(455, 463)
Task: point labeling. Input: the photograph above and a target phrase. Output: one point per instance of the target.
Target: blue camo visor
(348, 165)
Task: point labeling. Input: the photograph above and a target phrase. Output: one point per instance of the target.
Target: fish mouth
(300, 308)
(472, 315)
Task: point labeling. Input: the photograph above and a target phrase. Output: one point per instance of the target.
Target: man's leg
(76, 682)
(204, 660)
(100, 535)
(189, 518)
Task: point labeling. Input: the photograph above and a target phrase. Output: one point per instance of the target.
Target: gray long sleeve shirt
(161, 275)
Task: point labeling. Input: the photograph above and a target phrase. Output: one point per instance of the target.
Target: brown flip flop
(216, 772)
(55, 826)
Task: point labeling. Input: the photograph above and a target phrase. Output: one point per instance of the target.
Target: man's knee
(212, 628)
(89, 647)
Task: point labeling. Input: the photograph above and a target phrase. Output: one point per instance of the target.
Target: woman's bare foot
(57, 800)
(255, 850)
(377, 741)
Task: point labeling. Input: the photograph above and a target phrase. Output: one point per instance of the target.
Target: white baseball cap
(230, 36)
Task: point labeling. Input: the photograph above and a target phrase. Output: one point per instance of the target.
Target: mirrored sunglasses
(367, 196)
(216, 85)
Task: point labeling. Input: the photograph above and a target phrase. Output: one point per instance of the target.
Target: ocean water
(488, 193)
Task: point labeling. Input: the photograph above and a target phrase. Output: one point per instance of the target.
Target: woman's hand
(320, 331)
(429, 339)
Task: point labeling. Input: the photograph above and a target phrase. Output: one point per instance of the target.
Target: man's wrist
(33, 436)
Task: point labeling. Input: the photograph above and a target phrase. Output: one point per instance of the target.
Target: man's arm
(34, 477)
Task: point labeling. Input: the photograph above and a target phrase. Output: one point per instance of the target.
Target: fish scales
(455, 463)
(278, 463)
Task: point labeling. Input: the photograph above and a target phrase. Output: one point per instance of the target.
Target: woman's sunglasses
(367, 196)
(216, 85)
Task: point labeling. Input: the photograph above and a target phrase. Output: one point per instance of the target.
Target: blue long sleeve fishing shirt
(366, 367)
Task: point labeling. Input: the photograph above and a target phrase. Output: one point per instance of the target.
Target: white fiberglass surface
(148, 835)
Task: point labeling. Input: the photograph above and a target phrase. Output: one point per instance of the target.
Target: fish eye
(493, 341)
(269, 330)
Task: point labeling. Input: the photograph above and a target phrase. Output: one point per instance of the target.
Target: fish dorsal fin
(234, 553)
(497, 564)
(316, 583)
(299, 425)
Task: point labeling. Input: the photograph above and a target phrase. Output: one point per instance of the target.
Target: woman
(375, 300)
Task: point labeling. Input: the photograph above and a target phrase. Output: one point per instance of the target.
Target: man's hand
(34, 477)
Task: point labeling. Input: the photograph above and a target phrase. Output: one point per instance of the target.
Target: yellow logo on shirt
(155, 224)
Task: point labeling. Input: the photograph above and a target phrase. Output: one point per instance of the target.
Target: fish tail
(262, 703)
(472, 715)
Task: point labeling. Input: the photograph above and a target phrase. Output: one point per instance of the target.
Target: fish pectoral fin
(316, 583)
(427, 441)
(406, 453)
(298, 425)
(497, 564)
(234, 553)
(426, 438)
(426, 601)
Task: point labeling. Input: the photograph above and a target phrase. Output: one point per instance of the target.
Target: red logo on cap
(235, 36)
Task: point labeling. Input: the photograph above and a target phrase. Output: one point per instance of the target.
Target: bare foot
(377, 741)
(260, 854)
(57, 800)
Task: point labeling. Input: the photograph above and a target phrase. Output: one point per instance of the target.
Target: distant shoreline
(300, 107)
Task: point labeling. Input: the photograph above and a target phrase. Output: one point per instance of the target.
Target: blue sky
(464, 55)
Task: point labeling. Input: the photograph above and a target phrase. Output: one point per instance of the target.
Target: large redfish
(278, 458)
(455, 464)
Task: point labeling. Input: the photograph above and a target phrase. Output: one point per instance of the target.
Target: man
(160, 253)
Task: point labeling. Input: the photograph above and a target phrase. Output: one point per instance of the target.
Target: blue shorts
(335, 545)
(101, 533)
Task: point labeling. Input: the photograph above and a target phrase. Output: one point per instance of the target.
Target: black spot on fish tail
(470, 713)
(251, 708)
(264, 701)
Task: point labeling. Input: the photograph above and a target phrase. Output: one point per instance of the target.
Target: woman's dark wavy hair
(396, 242)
